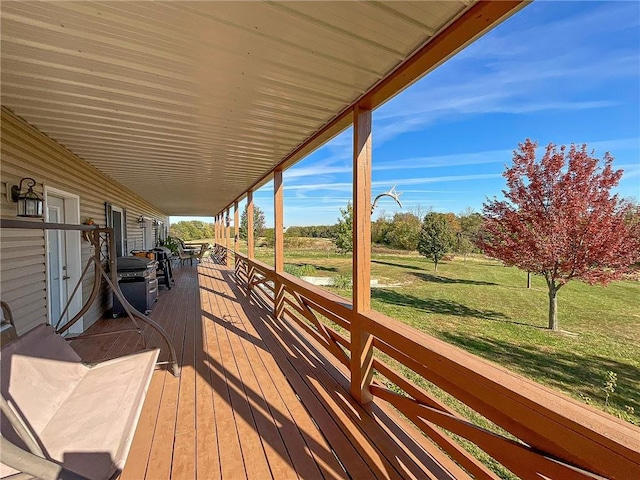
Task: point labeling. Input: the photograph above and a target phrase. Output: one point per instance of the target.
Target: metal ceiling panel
(202, 98)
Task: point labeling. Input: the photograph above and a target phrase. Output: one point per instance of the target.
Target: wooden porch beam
(250, 240)
(361, 340)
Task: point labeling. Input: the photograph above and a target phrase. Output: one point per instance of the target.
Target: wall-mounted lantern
(30, 204)
(141, 222)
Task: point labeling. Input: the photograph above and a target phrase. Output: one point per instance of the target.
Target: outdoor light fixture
(141, 222)
(29, 203)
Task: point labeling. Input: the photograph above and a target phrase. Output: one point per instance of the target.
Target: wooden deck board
(184, 448)
(296, 428)
(293, 432)
(360, 458)
(138, 460)
(252, 375)
(207, 447)
(255, 462)
(161, 455)
(230, 452)
(256, 399)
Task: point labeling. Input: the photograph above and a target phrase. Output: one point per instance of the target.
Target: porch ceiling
(190, 103)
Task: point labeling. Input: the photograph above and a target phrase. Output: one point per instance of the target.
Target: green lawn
(486, 309)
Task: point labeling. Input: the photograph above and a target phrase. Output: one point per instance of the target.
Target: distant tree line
(192, 230)
(404, 230)
(314, 231)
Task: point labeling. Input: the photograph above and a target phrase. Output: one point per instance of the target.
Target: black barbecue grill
(138, 283)
(164, 272)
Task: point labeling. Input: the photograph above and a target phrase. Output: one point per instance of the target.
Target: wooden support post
(236, 227)
(278, 250)
(361, 340)
(250, 242)
(220, 231)
(278, 224)
(227, 228)
(220, 235)
(215, 229)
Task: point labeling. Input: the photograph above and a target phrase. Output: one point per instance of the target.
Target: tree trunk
(528, 279)
(553, 308)
(435, 266)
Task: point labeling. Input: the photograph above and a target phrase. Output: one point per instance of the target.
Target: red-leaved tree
(559, 219)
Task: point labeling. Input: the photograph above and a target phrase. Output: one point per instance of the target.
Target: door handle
(66, 277)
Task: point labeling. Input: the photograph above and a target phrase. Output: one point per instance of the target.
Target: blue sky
(561, 72)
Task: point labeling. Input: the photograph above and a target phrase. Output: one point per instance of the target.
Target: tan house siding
(26, 152)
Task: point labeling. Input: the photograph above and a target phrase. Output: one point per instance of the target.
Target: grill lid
(132, 264)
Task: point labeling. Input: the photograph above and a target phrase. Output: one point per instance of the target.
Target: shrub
(303, 270)
(342, 282)
(293, 242)
(172, 244)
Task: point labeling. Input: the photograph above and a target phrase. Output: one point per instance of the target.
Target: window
(117, 219)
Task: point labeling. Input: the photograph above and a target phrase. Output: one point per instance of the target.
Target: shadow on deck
(257, 397)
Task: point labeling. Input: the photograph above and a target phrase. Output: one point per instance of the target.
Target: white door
(63, 260)
(148, 240)
(56, 253)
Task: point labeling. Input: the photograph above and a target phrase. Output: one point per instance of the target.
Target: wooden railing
(219, 254)
(553, 436)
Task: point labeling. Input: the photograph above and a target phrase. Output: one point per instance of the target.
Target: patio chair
(205, 251)
(184, 255)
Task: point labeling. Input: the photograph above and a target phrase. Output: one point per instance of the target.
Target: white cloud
(521, 71)
(324, 175)
(346, 186)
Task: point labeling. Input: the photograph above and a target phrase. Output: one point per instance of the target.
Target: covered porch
(190, 108)
(266, 396)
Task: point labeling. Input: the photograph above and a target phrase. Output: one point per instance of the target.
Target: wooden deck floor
(256, 398)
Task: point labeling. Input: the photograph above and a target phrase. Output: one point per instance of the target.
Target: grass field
(485, 308)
